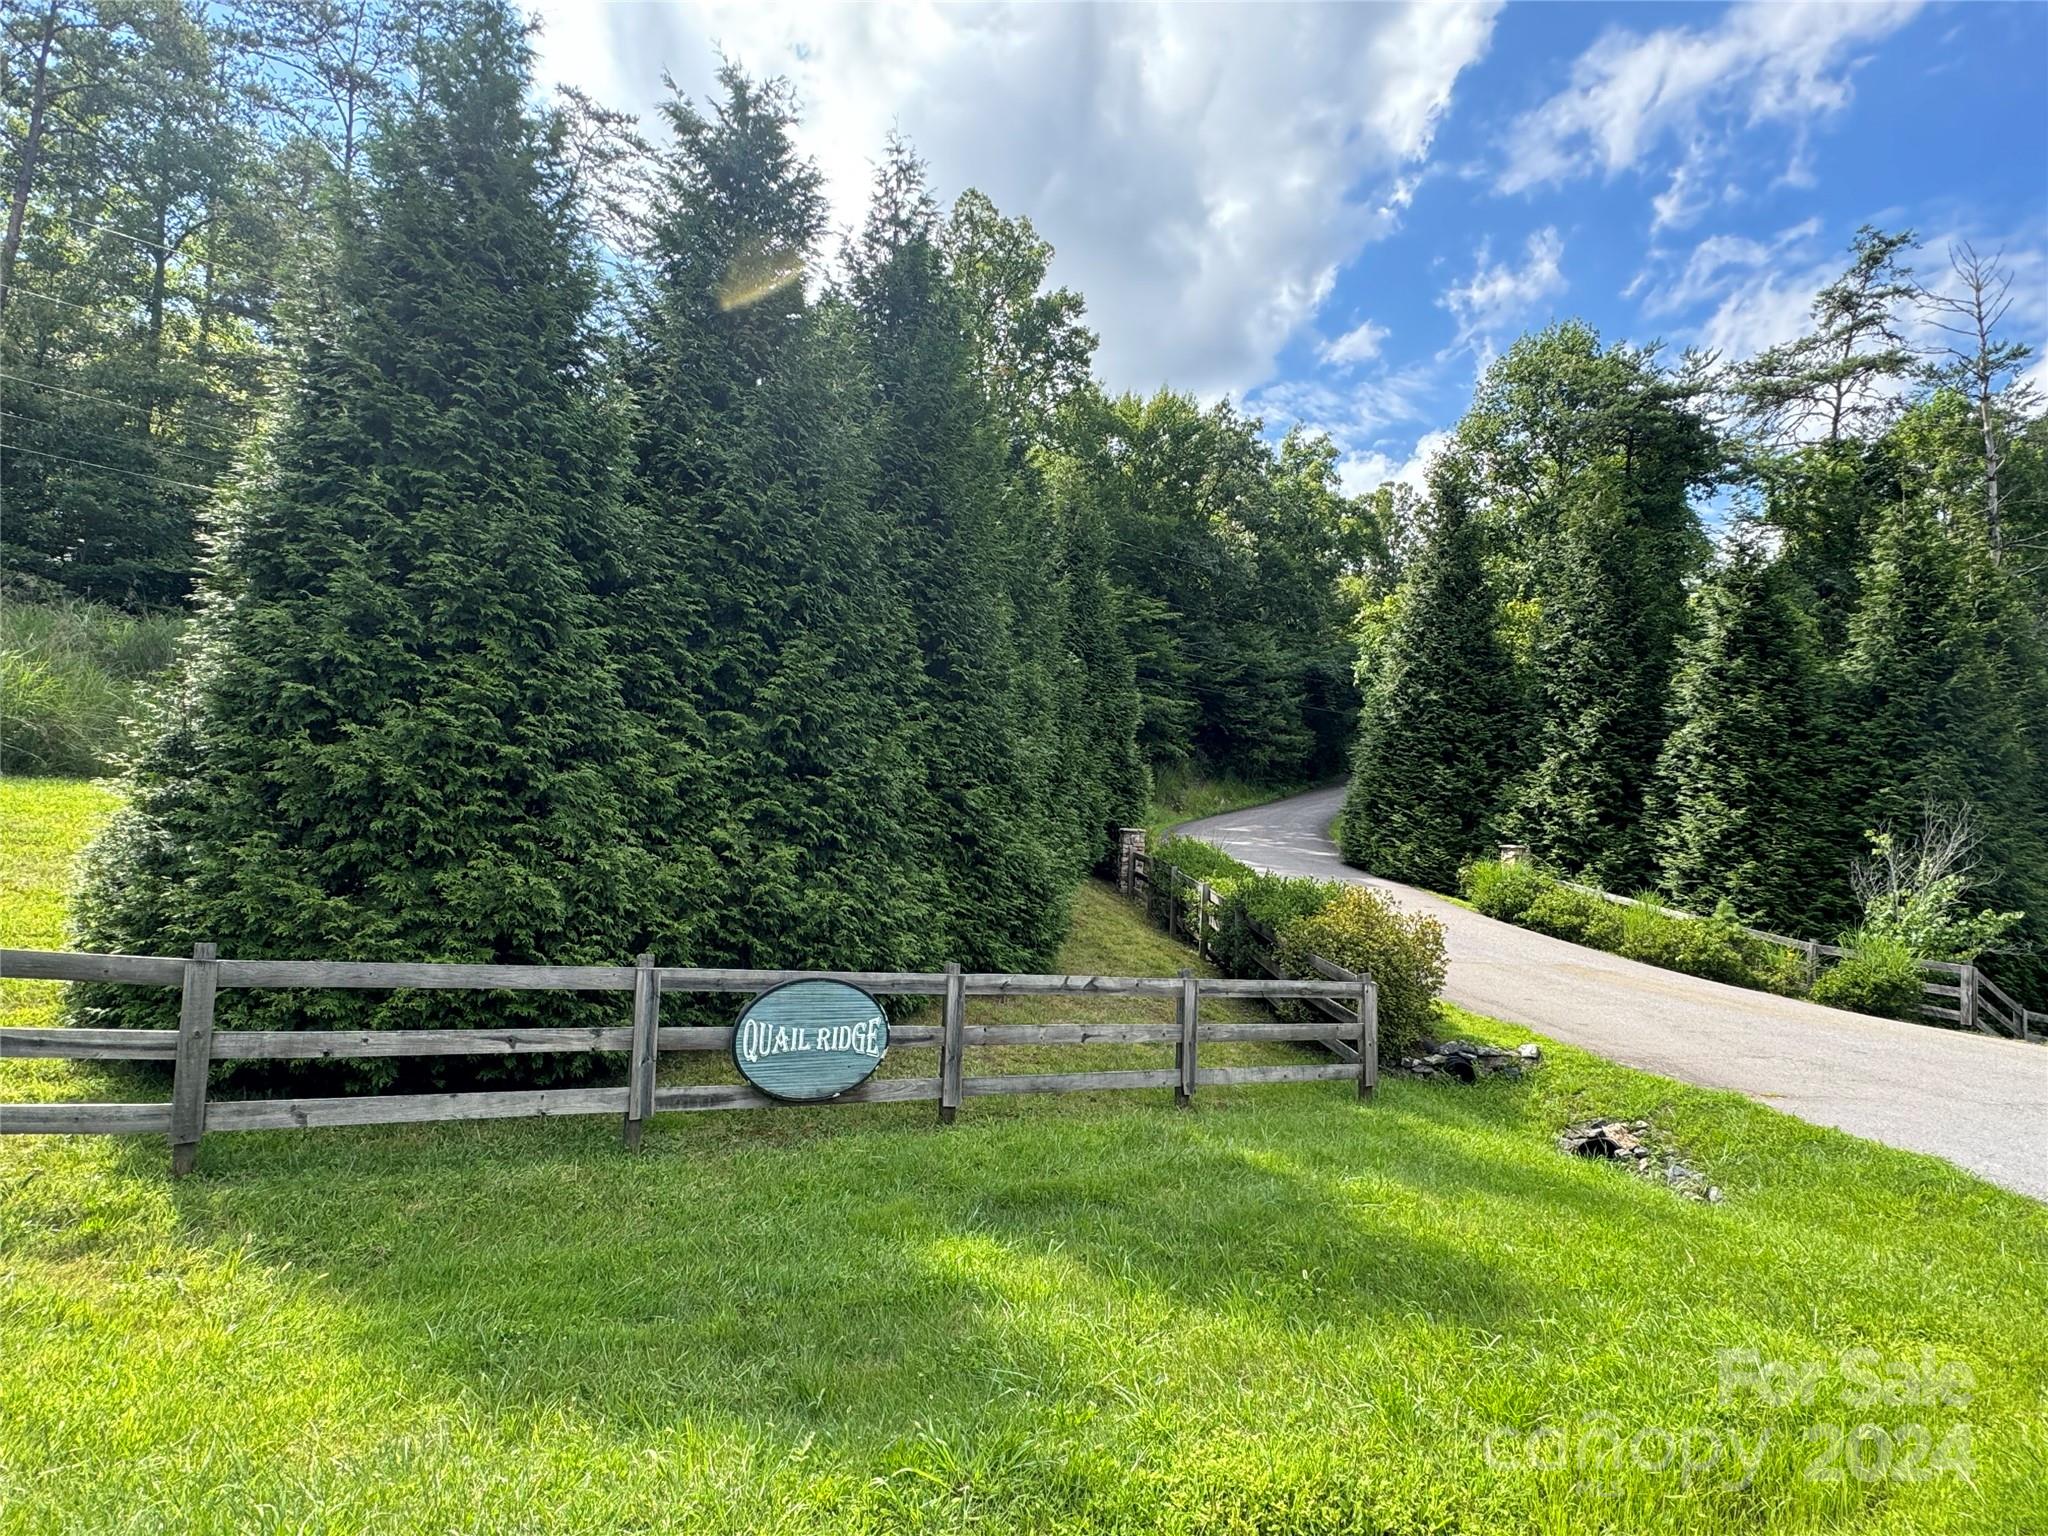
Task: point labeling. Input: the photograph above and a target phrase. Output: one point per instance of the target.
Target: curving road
(1979, 1102)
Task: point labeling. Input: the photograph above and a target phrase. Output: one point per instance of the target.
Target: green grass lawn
(1279, 1312)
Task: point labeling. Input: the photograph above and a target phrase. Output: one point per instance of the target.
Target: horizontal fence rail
(1973, 1001)
(1349, 1002)
(1954, 993)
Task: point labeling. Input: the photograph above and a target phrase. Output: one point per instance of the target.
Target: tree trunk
(31, 144)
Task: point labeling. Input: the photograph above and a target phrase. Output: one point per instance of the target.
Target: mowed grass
(1278, 1312)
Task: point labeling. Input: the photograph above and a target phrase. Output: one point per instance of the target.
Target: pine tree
(1438, 727)
(1745, 815)
(400, 737)
(776, 626)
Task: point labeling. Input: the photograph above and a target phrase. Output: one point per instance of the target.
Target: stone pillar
(1130, 842)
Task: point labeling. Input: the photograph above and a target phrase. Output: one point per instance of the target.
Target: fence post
(1184, 1052)
(950, 1048)
(646, 1047)
(1368, 1036)
(1203, 896)
(1811, 949)
(1966, 1005)
(194, 1058)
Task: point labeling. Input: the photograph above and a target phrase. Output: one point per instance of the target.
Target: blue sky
(1339, 213)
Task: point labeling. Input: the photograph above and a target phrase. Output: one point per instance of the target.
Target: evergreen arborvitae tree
(401, 738)
(1744, 815)
(1436, 733)
(941, 483)
(1106, 771)
(1601, 682)
(1586, 459)
(1031, 355)
(1947, 691)
(774, 624)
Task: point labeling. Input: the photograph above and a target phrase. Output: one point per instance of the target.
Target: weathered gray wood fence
(1192, 910)
(1961, 993)
(1952, 993)
(196, 1045)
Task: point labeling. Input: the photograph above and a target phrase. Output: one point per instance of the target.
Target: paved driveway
(1977, 1101)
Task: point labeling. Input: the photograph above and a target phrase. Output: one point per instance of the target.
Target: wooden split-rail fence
(1951, 993)
(1191, 910)
(1351, 1028)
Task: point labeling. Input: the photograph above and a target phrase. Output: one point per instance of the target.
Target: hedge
(1716, 947)
(1879, 975)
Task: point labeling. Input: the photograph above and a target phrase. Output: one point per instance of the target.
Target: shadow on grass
(808, 1275)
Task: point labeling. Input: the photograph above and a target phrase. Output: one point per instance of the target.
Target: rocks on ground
(1636, 1145)
(1467, 1061)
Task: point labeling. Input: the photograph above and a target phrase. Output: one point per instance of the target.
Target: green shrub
(1195, 860)
(1717, 948)
(1502, 890)
(1578, 916)
(69, 672)
(1651, 936)
(1403, 952)
(1200, 861)
(1274, 903)
(1878, 976)
(1776, 968)
(1714, 947)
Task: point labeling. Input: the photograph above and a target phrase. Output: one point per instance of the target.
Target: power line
(109, 229)
(112, 469)
(194, 397)
(106, 437)
(29, 293)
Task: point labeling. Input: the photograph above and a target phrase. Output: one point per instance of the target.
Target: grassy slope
(1281, 1312)
(1179, 797)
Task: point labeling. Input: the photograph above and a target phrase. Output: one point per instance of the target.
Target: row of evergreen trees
(743, 631)
(190, 178)
(1571, 663)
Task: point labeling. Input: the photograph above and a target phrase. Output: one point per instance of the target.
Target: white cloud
(1355, 411)
(1722, 264)
(1362, 472)
(1631, 92)
(1770, 308)
(1741, 295)
(1355, 415)
(1360, 344)
(1498, 294)
(1205, 172)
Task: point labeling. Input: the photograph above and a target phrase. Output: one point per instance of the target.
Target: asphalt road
(1980, 1102)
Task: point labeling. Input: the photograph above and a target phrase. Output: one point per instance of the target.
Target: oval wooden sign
(806, 1041)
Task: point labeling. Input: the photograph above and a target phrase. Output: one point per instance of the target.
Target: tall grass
(69, 671)
(1184, 794)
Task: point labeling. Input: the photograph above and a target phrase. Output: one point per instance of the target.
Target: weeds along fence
(1188, 909)
(1351, 1001)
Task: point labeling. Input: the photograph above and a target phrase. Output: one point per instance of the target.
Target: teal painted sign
(805, 1041)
